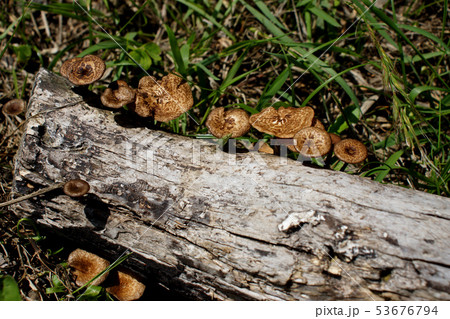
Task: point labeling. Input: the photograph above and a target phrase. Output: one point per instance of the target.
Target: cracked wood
(213, 225)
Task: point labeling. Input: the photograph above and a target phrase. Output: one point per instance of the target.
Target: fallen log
(213, 225)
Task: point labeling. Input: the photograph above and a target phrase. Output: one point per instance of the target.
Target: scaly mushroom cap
(350, 151)
(66, 67)
(284, 122)
(14, 107)
(86, 266)
(233, 122)
(84, 71)
(128, 287)
(312, 142)
(121, 95)
(164, 100)
(76, 188)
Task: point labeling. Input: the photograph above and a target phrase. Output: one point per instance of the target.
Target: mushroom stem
(34, 194)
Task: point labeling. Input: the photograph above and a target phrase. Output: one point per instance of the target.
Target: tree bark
(214, 225)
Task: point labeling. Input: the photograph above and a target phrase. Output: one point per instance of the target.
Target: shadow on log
(212, 225)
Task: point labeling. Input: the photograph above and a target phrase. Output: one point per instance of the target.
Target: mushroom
(14, 107)
(312, 142)
(67, 66)
(86, 266)
(121, 95)
(318, 124)
(127, 287)
(284, 122)
(350, 151)
(73, 188)
(76, 188)
(265, 148)
(334, 138)
(164, 100)
(83, 71)
(233, 122)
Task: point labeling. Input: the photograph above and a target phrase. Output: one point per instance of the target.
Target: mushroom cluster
(164, 99)
(86, 266)
(304, 133)
(168, 98)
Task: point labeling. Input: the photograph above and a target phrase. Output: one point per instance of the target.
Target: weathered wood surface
(207, 223)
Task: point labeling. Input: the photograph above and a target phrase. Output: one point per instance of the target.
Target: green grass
(251, 55)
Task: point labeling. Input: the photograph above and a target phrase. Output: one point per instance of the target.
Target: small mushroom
(73, 188)
(334, 138)
(233, 122)
(318, 124)
(14, 107)
(265, 148)
(312, 142)
(83, 71)
(76, 188)
(350, 151)
(118, 95)
(86, 266)
(127, 287)
(164, 100)
(284, 122)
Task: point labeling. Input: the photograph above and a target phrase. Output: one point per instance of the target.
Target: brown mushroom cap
(127, 288)
(14, 107)
(350, 151)
(164, 100)
(66, 67)
(84, 70)
(292, 148)
(318, 124)
(312, 142)
(265, 148)
(76, 188)
(284, 122)
(233, 122)
(118, 97)
(86, 266)
(334, 138)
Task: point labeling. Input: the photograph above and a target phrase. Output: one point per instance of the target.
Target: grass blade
(325, 16)
(272, 88)
(266, 11)
(383, 17)
(210, 18)
(389, 165)
(176, 51)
